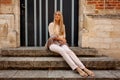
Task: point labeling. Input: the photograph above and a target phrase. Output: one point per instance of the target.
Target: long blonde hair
(61, 24)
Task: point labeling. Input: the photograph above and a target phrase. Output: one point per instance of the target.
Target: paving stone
(116, 73)
(56, 75)
(7, 73)
(31, 74)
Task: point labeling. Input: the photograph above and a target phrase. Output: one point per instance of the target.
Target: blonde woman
(57, 43)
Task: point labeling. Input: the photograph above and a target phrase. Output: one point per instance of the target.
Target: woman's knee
(61, 51)
(52, 46)
(66, 48)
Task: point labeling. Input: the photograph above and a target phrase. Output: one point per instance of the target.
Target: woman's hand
(62, 40)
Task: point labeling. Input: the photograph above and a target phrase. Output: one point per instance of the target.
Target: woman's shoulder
(51, 24)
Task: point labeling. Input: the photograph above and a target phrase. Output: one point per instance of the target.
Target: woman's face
(57, 16)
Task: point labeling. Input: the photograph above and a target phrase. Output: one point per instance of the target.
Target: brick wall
(105, 4)
(100, 26)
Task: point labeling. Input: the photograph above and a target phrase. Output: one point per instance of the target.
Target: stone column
(9, 23)
(81, 16)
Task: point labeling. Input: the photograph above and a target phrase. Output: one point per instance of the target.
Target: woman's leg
(61, 51)
(73, 56)
(67, 58)
(76, 60)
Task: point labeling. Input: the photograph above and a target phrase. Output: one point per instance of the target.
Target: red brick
(100, 3)
(101, 0)
(118, 7)
(5, 2)
(109, 4)
(109, 7)
(91, 2)
(99, 7)
(109, 0)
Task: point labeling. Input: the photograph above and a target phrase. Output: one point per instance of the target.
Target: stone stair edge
(18, 48)
(41, 51)
(55, 63)
(60, 57)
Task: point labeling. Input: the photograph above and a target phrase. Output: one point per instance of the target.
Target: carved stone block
(8, 33)
(8, 20)
(12, 38)
(3, 30)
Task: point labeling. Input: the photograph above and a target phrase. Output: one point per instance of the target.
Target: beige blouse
(54, 30)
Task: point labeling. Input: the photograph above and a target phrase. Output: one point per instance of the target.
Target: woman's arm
(50, 28)
(62, 37)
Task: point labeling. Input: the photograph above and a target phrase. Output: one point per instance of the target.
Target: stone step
(57, 75)
(55, 63)
(41, 51)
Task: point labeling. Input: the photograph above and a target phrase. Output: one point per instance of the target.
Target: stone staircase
(39, 64)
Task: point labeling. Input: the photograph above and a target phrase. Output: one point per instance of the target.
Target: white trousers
(68, 55)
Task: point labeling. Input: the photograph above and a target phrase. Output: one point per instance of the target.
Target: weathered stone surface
(116, 73)
(6, 27)
(12, 38)
(41, 51)
(10, 15)
(55, 63)
(55, 75)
(7, 73)
(103, 33)
(6, 6)
(7, 19)
(110, 52)
(3, 30)
(31, 74)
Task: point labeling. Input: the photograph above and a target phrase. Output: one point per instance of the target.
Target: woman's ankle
(81, 72)
(89, 72)
(78, 69)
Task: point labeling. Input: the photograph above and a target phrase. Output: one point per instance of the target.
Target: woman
(58, 45)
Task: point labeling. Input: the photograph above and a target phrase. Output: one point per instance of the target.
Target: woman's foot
(81, 72)
(89, 72)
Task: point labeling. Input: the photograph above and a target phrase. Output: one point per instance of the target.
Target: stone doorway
(37, 14)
